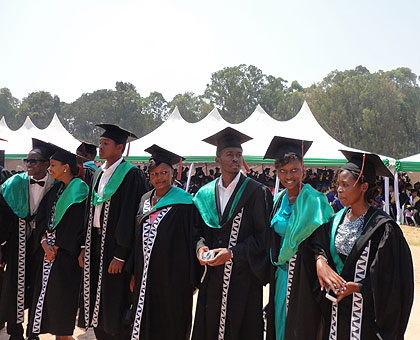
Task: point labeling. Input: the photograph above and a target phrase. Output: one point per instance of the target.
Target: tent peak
(55, 121)
(213, 115)
(175, 115)
(28, 124)
(3, 123)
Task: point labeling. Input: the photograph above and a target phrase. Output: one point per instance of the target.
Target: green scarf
(114, 183)
(77, 191)
(310, 211)
(335, 223)
(205, 201)
(174, 196)
(15, 191)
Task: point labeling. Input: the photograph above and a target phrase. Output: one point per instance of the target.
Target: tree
(40, 107)
(192, 107)
(378, 112)
(9, 106)
(235, 91)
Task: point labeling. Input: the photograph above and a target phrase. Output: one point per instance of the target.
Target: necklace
(155, 199)
(352, 217)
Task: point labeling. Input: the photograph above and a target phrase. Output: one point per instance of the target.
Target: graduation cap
(86, 148)
(116, 133)
(280, 146)
(366, 164)
(161, 155)
(42, 148)
(226, 138)
(63, 156)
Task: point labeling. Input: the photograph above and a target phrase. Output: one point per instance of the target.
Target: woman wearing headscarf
(166, 269)
(298, 211)
(60, 232)
(363, 261)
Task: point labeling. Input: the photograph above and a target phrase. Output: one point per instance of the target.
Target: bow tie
(41, 183)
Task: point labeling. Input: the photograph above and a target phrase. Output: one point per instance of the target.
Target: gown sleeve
(134, 187)
(392, 283)
(253, 250)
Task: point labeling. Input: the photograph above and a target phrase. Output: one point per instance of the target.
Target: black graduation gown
(9, 229)
(388, 287)
(244, 303)
(88, 173)
(119, 241)
(62, 293)
(172, 276)
(305, 294)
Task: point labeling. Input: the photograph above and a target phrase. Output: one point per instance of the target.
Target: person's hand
(81, 258)
(50, 251)
(328, 278)
(132, 283)
(116, 266)
(200, 253)
(351, 287)
(221, 256)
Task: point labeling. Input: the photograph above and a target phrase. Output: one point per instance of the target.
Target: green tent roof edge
(248, 159)
(407, 166)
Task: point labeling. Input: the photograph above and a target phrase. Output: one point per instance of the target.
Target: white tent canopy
(19, 142)
(179, 136)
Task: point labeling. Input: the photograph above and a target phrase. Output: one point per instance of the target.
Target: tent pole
(276, 188)
(397, 198)
(386, 187)
(189, 177)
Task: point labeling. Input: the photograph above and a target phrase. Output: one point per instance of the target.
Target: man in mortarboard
(20, 198)
(86, 153)
(116, 189)
(230, 241)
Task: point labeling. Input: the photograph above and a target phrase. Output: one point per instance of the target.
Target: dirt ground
(413, 237)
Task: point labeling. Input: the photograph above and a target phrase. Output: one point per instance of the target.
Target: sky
(73, 47)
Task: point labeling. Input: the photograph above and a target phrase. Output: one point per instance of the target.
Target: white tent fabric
(180, 136)
(5, 133)
(185, 138)
(413, 158)
(19, 142)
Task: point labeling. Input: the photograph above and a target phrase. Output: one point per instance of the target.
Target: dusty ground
(413, 237)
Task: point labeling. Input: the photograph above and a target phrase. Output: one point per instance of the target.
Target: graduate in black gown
(60, 231)
(234, 212)
(112, 207)
(363, 258)
(20, 197)
(86, 153)
(166, 269)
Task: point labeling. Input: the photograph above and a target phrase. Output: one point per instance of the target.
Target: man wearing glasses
(20, 198)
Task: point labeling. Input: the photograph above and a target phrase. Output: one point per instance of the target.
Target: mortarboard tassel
(245, 165)
(361, 171)
(300, 179)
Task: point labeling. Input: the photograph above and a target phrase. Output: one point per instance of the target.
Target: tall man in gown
(235, 214)
(116, 189)
(20, 198)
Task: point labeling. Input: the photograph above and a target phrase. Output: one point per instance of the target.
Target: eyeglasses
(33, 161)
